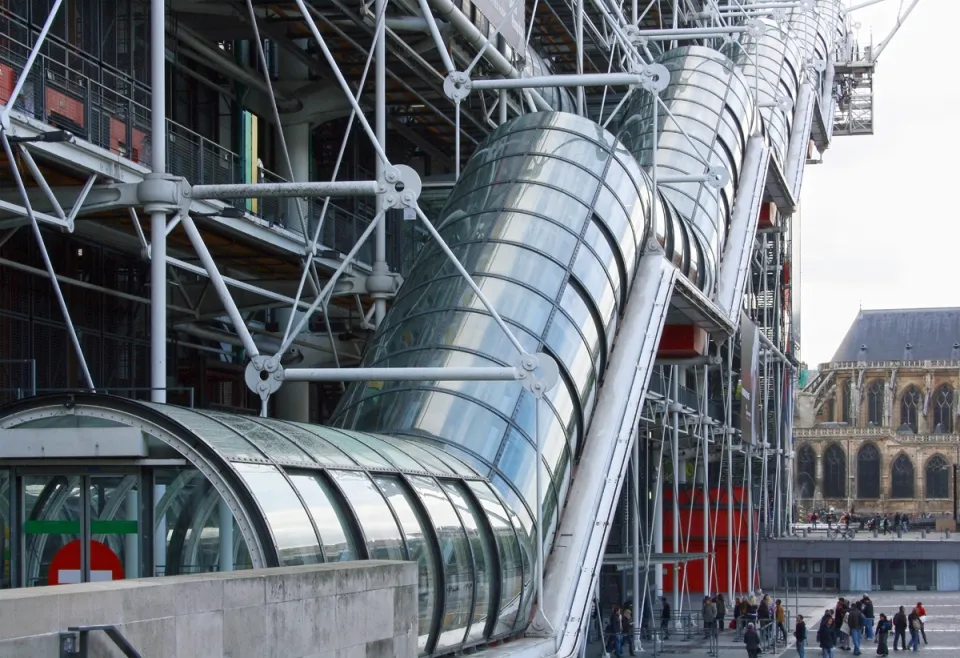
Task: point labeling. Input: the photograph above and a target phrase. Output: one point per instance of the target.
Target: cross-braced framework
(474, 109)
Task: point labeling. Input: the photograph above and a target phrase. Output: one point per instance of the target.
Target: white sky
(878, 218)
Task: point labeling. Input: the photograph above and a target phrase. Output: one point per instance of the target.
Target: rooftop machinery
(557, 238)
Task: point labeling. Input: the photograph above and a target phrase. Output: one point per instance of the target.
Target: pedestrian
(827, 637)
(752, 640)
(900, 629)
(923, 621)
(615, 633)
(709, 617)
(628, 629)
(883, 632)
(665, 619)
(867, 616)
(781, 616)
(855, 624)
(800, 634)
(913, 619)
(721, 611)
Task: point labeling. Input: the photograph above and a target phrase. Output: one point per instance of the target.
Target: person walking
(867, 616)
(752, 640)
(628, 629)
(800, 634)
(709, 617)
(781, 616)
(665, 619)
(883, 632)
(827, 637)
(923, 621)
(615, 633)
(721, 612)
(913, 619)
(900, 629)
(855, 624)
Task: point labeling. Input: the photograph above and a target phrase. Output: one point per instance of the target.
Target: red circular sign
(65, 565)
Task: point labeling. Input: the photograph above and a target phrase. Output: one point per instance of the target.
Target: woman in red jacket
(923, 616)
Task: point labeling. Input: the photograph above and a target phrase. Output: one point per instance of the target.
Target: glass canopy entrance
(94, 487)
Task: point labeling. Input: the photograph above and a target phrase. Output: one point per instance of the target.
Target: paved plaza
(943, 627)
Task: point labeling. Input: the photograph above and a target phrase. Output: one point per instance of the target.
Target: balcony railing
(886, 365)
(117, 118)
(864, 432)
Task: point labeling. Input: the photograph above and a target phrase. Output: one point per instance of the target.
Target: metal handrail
(82, 648)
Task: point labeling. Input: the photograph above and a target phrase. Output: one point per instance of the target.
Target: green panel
(73, 527)
(51, 527)
(113, 527)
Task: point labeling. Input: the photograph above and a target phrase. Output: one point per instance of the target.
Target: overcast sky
(879, 220)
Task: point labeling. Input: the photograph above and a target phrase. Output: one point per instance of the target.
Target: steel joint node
(457, 86)
(263, 376)
(162, 193)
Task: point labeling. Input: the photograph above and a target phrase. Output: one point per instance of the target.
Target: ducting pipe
(449, 12)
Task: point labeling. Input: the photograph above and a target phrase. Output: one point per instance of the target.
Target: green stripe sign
(73, 527)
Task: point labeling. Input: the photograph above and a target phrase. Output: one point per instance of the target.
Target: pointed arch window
(875, 403)
(902, 479)
(847, 415)
(937, 477)
(943, 410)
(834, 472)
(806, 472)
(910, 408)
(868, 471)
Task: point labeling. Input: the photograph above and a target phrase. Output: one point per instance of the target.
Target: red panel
(768, 216)
(8, 80)
(682, 341)
(66, 106)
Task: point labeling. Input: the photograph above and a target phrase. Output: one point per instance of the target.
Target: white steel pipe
(380, 268)
(158, 220)
(448, 11)
(460, 374)
(219, 284)
(286, 190)
(688, 33)
(559, 80)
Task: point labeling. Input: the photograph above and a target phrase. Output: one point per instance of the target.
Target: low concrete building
(345, 610)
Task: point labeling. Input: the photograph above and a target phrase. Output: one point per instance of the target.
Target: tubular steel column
(675, 460)
(635, 530)
(158, 220)
(731, 586)
(380, 119)
(704, 432)
(748, 453)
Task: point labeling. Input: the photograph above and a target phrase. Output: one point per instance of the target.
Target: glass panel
(431, 463)
(483, 559)
(384, 541)
(322, 451)
(834, 472)
(262, 435)
(399, 459)
(511, 561)
(902, 480)
(868, 470)
(523, 525)
(457, 562)
(333, 523)
(419, 548)
(292, 531)
(51, 512)
(361, 453)
(224, 440)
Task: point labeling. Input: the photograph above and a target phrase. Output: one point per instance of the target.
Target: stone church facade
(877, 428)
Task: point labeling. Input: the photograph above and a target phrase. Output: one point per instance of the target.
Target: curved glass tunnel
(216, 491)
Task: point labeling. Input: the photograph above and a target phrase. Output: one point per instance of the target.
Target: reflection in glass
(292, 531)
(332, 522)
(383, 538)
(484, 561)
(458, 578)
(419, 548)
(511, 561)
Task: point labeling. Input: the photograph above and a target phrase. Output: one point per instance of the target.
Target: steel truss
(609, 56)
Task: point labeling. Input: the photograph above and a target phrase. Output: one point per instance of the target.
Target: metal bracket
(401, 187)
(534, 382)
(715, 176)
(782, 102)
(162, 193)
(655, 78)
(756, 28)
(264, 376)
(457, 86)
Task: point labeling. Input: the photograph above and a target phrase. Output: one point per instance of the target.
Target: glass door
(77, 526)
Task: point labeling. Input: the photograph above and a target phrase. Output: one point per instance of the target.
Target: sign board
(511, 29)
(65, 566)
(749, 377)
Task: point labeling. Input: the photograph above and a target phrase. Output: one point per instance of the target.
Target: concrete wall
(772, 550)
(346, 610)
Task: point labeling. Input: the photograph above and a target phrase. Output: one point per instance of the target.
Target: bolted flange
(457, 86)
(263, 376)
(655, 78)
(162, 193)
(717, 176)
(539, 373)
(400, 187)
(756, 28)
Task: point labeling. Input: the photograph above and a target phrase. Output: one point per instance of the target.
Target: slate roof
(932, 333)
